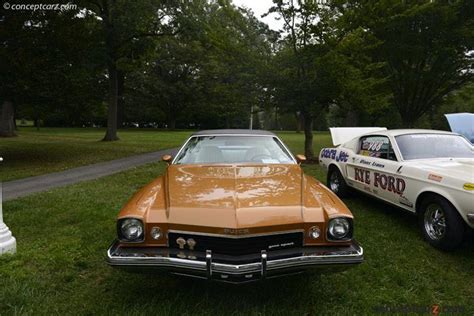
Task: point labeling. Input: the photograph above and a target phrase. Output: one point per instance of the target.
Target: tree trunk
(14, 119)
(108, 15)
(352, 118)
(111, 134)
(171, 120)
(120, 100)
(308, 136)
(7, 125)
(298, 122)
(408, 120)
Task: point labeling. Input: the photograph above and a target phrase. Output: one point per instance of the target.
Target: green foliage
(206, 64)
(210, 71)
(426, 48)
(458, 101)
(49, 64)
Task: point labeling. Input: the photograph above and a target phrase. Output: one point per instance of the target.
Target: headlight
(130, 229)
(314, 232)
(340, 229)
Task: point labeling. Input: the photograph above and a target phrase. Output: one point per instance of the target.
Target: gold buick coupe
(234, 206)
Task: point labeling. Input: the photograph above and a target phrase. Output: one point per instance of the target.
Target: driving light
(130, 229)
(339, 229)
(156, 233)
(314, 232)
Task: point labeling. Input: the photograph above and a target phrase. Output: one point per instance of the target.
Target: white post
(7, 241)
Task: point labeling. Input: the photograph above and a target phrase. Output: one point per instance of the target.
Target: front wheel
(440, 223)
(336, 182)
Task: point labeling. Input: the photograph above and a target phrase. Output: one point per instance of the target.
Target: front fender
(455, 197)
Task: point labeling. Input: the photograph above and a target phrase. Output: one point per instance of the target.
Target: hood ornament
(181, 242)
(191, 243)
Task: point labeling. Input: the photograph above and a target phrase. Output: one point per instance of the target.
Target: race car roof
(342, 135)
(398, 132)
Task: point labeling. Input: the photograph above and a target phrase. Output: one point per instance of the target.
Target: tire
(336, 183)
(440, 223)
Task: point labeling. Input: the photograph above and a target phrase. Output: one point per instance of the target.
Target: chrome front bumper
(218, 267)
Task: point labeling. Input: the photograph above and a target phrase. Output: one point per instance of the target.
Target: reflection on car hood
(236, 195)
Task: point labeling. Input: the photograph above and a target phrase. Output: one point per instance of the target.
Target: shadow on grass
(362, 204)
(186, 294)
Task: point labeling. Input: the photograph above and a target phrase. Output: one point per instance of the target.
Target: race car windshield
(423, 146)
(234, 149)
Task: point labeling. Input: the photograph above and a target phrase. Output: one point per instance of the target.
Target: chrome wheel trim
(435, 221)
(334, 182)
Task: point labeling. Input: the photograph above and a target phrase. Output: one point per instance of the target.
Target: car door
(375, 168)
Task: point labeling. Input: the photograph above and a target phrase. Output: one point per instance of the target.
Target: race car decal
(361, 175)
(435, 177)
(332, 154)
(468, 186)
(380, 180)
(389, 183)
(372, 145)
(373, 163)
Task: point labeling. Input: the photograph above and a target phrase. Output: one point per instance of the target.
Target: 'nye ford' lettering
(381, 180)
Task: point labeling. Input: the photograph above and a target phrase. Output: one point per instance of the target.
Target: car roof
(233, 132)
(398, 132)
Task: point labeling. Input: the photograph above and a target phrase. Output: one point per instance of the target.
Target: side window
(376, 146)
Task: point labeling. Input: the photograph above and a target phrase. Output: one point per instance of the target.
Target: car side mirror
(300, 158)
(167, 158)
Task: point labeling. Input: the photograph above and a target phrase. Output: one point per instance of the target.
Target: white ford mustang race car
(427, 172)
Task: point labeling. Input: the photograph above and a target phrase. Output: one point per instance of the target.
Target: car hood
(234, 195)
(459, 168)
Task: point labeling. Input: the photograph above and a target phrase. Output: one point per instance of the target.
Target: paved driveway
(18, 188)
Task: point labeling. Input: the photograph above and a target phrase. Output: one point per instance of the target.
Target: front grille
(239, 246)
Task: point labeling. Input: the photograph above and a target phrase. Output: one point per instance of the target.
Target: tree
(210, 71)
(238, 47)
(426, 48)
(305, 28)
(124, 35)
(48, 63)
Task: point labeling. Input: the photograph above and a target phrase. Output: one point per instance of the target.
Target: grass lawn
(63, 235)
(49, 150)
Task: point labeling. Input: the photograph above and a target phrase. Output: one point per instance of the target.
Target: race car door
(375, 168)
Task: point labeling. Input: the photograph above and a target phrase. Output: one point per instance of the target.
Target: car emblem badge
(181, 242)
(191, 243)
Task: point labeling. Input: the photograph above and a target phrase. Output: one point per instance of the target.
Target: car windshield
(423, 146)
(233, 149)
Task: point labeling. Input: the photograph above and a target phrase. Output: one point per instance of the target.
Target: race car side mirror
(300, 158)
(167, 158)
